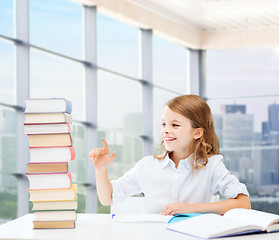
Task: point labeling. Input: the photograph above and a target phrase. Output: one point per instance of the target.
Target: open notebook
(234, 222)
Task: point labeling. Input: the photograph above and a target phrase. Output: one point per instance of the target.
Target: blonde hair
(197, 110)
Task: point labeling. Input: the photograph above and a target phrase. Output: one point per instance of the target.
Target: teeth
(169, 139)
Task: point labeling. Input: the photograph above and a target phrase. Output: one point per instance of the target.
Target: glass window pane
(79, 164)
(81, 199)
(56, 77)
(242, 72)
(8, 140)
(128, 151)
(265, 204)
(8, 197)
(248, 131)
(6, 18)
(119, 103)
(118, 46)
(57, 25)
(169, 65)
(7, 76)
(160, 98)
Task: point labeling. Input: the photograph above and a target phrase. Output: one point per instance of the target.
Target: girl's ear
(198, 133)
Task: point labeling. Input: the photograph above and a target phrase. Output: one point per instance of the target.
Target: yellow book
(53, 224)
(45, 195)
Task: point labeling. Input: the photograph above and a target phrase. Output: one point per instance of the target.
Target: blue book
(183, 216)
(48, 105)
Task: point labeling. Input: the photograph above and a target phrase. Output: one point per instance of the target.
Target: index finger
(106, 147)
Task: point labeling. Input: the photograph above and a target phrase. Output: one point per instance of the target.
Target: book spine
(73, 153)
(70, 175)
(68, 117)
(71, 139)
(74, 187)
(68, 106)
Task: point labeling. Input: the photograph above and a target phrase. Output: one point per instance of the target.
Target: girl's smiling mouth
(169, 139)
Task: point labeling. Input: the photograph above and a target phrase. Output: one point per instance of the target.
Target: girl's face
(177, 131)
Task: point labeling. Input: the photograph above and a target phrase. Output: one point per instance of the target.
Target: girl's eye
(163, 124)
(175, 125)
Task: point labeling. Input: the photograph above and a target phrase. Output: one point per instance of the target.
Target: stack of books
(48, 126)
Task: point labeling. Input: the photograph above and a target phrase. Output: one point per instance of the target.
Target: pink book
(51, 154)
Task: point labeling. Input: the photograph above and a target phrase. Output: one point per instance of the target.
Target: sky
(57, 25)
(244, 73)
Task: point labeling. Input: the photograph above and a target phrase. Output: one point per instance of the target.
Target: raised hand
(101, 157)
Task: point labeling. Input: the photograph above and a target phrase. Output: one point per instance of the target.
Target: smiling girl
(186, 176)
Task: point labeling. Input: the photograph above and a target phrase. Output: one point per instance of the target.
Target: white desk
(101, 227)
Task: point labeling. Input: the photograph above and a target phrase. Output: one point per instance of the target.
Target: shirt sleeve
(127, 185)
(227, 184)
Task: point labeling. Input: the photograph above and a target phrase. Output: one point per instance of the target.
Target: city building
(235, 130)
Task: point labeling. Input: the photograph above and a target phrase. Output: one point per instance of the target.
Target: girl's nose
(166, 130)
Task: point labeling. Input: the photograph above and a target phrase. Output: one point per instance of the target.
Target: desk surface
(101, 227)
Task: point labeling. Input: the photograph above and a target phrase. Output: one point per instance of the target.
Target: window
(128, 151)
(57, 25)
(169, 65)
(117, 46)
(8, 140)
(79, 164)
(6, 18)
(119, 103)
(7, 76)
(8, 197)
(8, 164)
(242, 72)
(244, 100)
(52, 76)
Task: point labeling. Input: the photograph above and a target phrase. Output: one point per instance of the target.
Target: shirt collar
(184, 163)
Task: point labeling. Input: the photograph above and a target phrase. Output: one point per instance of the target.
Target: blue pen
(113, 216)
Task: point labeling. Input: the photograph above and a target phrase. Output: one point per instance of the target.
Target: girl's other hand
(101, 158)
(177, 208)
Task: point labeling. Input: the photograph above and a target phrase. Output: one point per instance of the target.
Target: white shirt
(163, 184)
